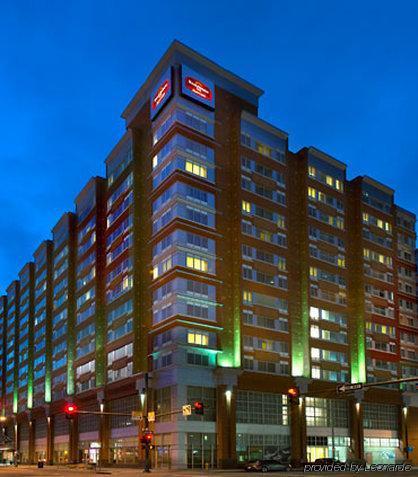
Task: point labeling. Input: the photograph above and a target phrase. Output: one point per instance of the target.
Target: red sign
(198, 87)
(160, 94)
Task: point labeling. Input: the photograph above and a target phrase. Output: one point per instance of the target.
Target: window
(262, 408)
(196, 169)
(322, 412)
(246, 207)
(197, 359)
(380, 416)
(197, 263)
(197, 338)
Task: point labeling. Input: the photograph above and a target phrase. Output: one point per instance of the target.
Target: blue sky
(341, 76)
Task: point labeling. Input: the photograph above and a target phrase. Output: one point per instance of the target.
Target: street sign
(136, 415)
(187, 409)
(346, 387)
(151, 416)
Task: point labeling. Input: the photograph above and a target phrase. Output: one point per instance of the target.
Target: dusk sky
(340, 76)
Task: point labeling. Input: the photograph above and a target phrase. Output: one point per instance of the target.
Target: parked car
(266, 466)
(327, 461)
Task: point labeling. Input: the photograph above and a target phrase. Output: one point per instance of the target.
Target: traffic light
(199, 409)
(147, 438)
(293, 395)
(70, 410)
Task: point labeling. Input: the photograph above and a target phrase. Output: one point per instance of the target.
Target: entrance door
(316, 452)
(93, 456)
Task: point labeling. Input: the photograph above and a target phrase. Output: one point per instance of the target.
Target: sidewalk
(120, 471)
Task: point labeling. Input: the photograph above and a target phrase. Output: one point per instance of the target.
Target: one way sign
(346, 387)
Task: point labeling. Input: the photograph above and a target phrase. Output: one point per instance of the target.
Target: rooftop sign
(161, 93)
(197, 87)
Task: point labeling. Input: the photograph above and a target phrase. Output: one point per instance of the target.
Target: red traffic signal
(293, 395)
(70, 410)
(199, 409)
(147, 437)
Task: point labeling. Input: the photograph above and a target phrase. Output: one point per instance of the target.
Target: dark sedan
(266, 466)
(327, 461)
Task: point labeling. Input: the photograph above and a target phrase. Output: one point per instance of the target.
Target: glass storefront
(6, 456)
(161, 454)
(259, 446)
(201, 450)
(24, 452)
(382, 450)
(89, 452)
(61, 452)
(124, 451)
(320, 447)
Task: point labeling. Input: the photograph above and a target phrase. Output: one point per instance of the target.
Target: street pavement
(60, 471)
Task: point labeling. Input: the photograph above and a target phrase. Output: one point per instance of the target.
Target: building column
(297, 431)
(103, 430)
(298, 422)
(226, 398)
(356, 427)
(411, 428)
(16, 434)
(226, 422)
(403, 430)
(31, 452)
(73, 444)
(49, 440)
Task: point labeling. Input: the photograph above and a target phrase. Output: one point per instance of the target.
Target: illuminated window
(281, 222)
(330, 180)
(247, 296)
(312, 192)
(338, 184)
(265, 235)
(365, 217)
(154, 162)
(315, 353)
(341, 262)
(312, 171)
(366, 253)
(263, 149)
(314, 331)
(201, 339)
(246, 206)
(314, 313)
(127, 282)
(313, 272)
(316, 372)
(197, 263)
(196, 169)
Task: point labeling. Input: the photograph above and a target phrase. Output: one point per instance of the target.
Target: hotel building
(212, 264)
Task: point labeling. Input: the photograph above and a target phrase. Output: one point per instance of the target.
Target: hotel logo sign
(197, 87)
(161, 93)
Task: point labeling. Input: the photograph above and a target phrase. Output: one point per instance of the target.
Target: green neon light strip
(300, 336)
(358, 355)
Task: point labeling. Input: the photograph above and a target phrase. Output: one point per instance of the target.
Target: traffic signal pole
(71, 411)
